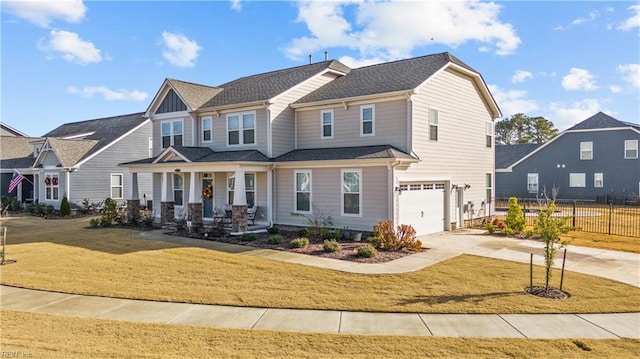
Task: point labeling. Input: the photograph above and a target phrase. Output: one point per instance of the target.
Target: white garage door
(422, 206)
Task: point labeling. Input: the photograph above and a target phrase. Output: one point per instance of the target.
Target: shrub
(248, 237)
(275, 239)
(331, 246)
(65, 209)
(181, 224)
(273, 230)
(300, 242)
(94, 222)
(109, 213)
(85, 206)
(366, 251)
(392, 240)
(147, 221)
(302, 232)
(508, 231)
(331, 234)
(515, 217)
(373, 241)
(490, 227)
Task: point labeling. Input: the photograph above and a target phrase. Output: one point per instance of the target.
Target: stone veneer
(133, 210)
(167, 213)
(195, 212)
(239, 218)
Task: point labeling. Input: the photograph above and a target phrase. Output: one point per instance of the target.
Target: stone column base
(239, 218)
(133, 210)
(195, 212)
(167, 213)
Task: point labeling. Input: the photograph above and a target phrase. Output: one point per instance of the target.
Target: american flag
(15, 180)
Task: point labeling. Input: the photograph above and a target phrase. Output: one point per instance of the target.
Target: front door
(207, 197)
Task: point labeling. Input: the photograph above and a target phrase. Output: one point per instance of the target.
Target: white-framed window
(577, 180)
(433, 124)
(302, 180)
(630, 149)
(178, 189)
(351, 192)
(598, 180)
(326, 124)
(241, 128)
(489, 186)
(51, 186)
(171, 133)
(586, 150)
(489, 134)
(207, 129)
(532, 182)
(249, 186)
(150, 147)
(367, 120)
(117, 186)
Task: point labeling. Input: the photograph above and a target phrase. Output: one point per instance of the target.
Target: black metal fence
(584, 216)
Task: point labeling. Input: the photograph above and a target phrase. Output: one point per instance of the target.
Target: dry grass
(603, 241)
(48, 336)
(64, 256)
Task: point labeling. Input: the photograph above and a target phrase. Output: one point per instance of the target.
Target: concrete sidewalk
(620, 266)
(548, 326)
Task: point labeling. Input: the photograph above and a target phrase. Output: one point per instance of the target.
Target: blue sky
(67, 61)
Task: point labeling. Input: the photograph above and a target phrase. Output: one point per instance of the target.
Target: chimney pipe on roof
(326, 56)
(310, 59)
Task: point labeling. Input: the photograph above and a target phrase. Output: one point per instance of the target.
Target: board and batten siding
(460, 154)
(93, 179)
(325, 193)
(283, 116)
(390, 126)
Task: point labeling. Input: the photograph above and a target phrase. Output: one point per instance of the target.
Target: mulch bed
(348, 252)
(551, 292)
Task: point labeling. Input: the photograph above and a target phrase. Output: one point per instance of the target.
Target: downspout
(194, 130)
(409, 122)
(392, 193)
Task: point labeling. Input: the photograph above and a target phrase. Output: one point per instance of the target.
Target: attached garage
(422, 206)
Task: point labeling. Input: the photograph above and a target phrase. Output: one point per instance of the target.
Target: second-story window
(489, 134)
(326, 116)
(586, 150)
(241, 128)
(171, 133)
(630, 149)
(207, 129)
(367, 120)
(433, 124)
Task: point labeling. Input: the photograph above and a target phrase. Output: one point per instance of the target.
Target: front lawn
(65, 256)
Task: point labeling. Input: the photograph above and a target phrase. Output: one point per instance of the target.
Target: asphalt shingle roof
(344, 153)
(401, 75)
(602, 120)
(16, 152)
(70, 152)
(103, 130)
(195, 95)
(205, 154)
(262, 87)
(506, 155)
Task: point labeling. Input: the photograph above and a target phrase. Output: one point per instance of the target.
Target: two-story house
(409, 140)
(595, 159)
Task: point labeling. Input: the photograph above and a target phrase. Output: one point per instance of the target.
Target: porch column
(270, 190)
(239, 207)
(167, 213)
(195, 201)
(133, 203)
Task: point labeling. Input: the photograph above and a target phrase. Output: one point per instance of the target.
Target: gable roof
(16, 152)
(10, 130)
(69, 152)
(345, 153)
(99, 133)
(204, 154)
(602, 120)
(262, 87)
(194, 95)
(506, 155)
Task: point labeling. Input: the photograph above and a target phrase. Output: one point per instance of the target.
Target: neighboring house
(6, 130)
(597, 159)
(18, 153)
(80, 160)
(409, 140)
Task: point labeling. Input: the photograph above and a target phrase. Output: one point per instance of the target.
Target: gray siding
(555, 162)
(187, 133)
(390, 126)
(325, 193)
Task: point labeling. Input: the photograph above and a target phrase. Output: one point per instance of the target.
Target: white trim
(161, 94)
(530, 177)
(112, 143)
(581, 178)
(342, 193)
(352, 101)
(167, 151)
(170, 115)
(241, 129)
(202, 120)
(373, 120)
(625, 149)
(172, 133)
(52, 186)
(173, 188)
(436, 124)
(73, 137)
(586, 150)
(111, 186)
(322, 112)
(595, 180)
(295, 190)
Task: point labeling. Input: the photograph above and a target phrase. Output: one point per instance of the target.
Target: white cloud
(521, 76)
(565, 116)
(633, 21)
(236, 5)
(108, 94)
(179, 50)
(42, 13)
(631, 74)
(579, 79)
(615, 89)
(71, 47)
(392, 29)
(581, 20)
(512, 101)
